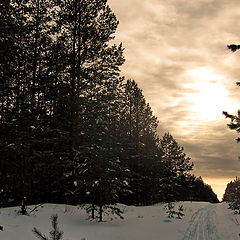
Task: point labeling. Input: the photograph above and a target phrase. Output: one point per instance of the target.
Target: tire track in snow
(202, 225)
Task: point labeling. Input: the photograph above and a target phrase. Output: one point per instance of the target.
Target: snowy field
(202, 221)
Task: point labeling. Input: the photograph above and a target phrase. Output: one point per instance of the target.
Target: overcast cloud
(175, 50)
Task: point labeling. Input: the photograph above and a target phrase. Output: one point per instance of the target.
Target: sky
(176, 50)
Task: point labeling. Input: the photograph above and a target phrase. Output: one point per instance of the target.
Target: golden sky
(176, 50)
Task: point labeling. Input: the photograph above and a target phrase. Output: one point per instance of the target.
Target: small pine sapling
(54, 234)
(23, 209)
(113, 210)
(90, 210)
(110, 210)
(170, 209)
(180, 213)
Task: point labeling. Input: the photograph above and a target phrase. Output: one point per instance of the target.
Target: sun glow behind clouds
(207, 95)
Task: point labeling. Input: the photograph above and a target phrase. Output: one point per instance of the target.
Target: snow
(202, 221)
(75, 183)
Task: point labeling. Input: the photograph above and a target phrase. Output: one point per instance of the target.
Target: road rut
(202, 225)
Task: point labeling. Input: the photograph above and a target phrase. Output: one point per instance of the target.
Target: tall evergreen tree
(27, 75)
(177, 167)
(139, 141)
(92, 82)
(235, 119)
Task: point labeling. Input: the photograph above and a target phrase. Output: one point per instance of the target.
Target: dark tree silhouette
(72, 129)
(233, 47)
(232, 196)
(177, 167)
(235, 119)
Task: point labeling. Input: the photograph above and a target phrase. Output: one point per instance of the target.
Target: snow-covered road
(202, 225)
(202, 221)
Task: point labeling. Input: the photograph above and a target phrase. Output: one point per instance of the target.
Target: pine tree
(176, 167)
(235, 119)
(54, 234)
(139, 143)
(91, 78)
(6, 50)
(27, 119)
(232, 195)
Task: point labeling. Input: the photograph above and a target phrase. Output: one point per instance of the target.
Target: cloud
(163, 40)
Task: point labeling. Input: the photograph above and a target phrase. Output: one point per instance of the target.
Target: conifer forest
(73, 129)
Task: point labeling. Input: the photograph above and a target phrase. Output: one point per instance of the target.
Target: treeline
(232, 195)
(202, 191)
(72, 129)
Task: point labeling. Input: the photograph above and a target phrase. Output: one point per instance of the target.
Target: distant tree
(174, 157)
(176, 167)
(233, 47)
(200, 191)
(232, 195)
(138, 139)
(230, 190)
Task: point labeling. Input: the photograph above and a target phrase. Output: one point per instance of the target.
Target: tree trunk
(93, 211)
(100, 212)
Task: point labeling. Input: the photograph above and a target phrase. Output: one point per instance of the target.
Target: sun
(207, 95)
